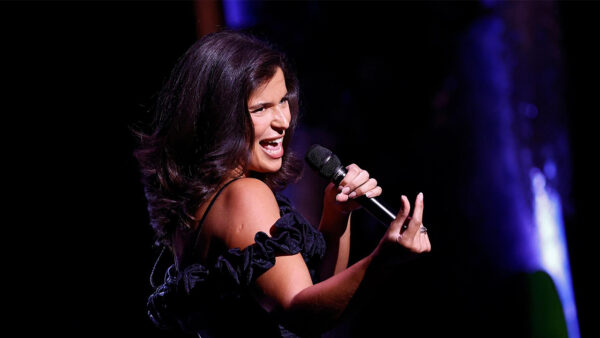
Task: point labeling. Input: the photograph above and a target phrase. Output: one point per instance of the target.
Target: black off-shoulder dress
(214, 299)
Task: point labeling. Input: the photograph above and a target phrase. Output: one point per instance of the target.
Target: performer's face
(270, 114)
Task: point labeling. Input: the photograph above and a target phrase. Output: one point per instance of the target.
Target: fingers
(418, 213)
(374, 192)
(414, 238)
(423, 242)
(341, 197)
(357, 182)
(417, 218)
(354, 178)
(369, 188)
(401, 217)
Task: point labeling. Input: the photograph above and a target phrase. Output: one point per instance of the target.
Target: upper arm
(252, 207)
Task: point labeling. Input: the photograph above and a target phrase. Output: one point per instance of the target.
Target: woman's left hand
(357, 182)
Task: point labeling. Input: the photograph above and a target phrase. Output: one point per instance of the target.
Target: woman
(246, 262)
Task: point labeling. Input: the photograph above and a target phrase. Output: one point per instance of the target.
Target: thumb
(396, 224)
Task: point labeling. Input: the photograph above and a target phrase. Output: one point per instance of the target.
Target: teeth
(272, 151)
(275, 142)
(272, 146)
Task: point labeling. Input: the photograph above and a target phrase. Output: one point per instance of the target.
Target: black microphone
(329, 166)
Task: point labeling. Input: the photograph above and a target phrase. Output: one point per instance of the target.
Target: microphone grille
(323, 160)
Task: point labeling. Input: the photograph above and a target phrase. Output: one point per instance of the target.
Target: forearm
(338, 245)
(318, 307)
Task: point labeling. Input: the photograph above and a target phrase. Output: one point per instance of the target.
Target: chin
(270, 168)
(260, 162)
(266, 168)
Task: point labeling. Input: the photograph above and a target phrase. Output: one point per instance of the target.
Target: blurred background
(484, 106)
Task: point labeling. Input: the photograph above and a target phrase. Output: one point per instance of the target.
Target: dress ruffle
(235, 270)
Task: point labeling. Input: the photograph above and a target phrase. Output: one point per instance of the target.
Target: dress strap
(213, 201)
(208, 209)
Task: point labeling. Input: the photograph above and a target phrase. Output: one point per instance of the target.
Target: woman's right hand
(405, 242)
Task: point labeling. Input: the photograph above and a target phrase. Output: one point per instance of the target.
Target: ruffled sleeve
(236, 270)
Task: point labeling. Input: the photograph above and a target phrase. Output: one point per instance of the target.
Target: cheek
(259, 129)
(288, 113)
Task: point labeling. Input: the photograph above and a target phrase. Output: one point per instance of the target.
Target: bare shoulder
(250, 194)
(250, 206)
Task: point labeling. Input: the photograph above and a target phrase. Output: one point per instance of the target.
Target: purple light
(515, 115)
(238, 14)
(552, 243)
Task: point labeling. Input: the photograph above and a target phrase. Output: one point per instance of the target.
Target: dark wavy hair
(202, 130)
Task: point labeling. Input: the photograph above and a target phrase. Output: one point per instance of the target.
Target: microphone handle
(372, 205)
(377, 210)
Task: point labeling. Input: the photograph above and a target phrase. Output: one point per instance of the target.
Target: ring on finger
(423, 229)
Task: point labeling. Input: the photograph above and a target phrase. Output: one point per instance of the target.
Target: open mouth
(273, 147)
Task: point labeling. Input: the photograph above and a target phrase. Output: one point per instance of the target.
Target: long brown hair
(202, 130)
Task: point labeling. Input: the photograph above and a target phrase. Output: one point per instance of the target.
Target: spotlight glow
(552, 243)
(238, 13)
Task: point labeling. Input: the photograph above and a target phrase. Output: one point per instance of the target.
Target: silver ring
(423, 229)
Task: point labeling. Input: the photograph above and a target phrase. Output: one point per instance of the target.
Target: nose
(280, 121)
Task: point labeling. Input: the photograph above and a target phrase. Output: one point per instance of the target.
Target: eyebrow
(258, 105)
(266, 104)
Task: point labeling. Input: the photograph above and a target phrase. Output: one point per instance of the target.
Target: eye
(257, 110)
(284, 99)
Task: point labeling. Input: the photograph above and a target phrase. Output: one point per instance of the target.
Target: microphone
(328, 165)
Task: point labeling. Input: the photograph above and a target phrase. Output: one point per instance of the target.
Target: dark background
(80, 74)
